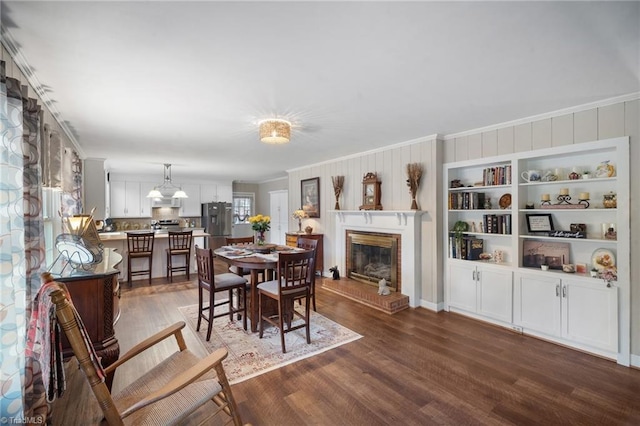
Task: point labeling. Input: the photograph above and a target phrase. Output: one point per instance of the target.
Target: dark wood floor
(413, 368)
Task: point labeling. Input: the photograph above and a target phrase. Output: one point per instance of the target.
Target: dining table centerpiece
(260, 224)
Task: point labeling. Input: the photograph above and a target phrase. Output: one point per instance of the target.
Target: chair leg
(231, 304)
(313, 296)
(150, 267)
(260, 320)
(187, 257)
(244, 308)
(281, 323)
(306, 318)
(211, 303)
(199, 308)
(129, 271)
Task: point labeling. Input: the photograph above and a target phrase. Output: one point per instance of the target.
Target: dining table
(255, 259)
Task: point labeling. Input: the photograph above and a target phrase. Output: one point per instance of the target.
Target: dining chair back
(214, 283)
(310, 244)
(168, 393)
(295, 272)
(179, 245)
(139, 246)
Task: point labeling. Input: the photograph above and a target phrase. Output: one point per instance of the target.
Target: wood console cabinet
(292, 241)
(96, 296)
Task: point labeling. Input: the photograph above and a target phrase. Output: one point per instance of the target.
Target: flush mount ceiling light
(275, 131)
(167, 188)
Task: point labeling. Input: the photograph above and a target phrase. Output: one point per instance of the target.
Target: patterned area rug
(250, 356)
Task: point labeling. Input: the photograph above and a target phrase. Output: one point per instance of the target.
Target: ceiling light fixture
(166, 188)
(275, 131)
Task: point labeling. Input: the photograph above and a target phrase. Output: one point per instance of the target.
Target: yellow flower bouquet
(260, 224)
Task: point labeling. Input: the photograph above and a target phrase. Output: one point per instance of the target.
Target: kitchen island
(118, 241)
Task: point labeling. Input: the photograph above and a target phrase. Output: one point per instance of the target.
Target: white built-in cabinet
(145, 203)
(225, 193)
(208, 193)
(573, 309)
(582, 311)
(125, 199)
(481, 289)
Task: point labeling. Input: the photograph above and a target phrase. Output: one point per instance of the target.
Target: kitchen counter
(122, 236)
(118, 242)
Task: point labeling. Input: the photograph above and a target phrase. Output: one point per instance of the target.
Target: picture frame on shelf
(551, 253)
(539, 222)
(310, 196)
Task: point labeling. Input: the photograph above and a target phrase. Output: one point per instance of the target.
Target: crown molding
(22, 63)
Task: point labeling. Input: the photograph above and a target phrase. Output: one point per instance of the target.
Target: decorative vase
(308, 229)
(414, 204)
(260, 238)
(337, 206)
(610, 201)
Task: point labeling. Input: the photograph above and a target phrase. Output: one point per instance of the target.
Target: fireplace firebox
(372, 256)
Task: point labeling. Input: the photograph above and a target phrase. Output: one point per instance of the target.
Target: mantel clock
(371, 193)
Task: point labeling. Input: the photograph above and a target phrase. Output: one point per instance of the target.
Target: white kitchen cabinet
(579, 312)
(125, 199)
(208, 193)
(481, 289)
(191, 206)
(145, 203)
(225, 193)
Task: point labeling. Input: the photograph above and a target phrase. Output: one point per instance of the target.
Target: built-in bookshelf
(543, 220)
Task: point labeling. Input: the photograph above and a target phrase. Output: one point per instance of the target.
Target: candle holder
(585, 202)
(564, 199)
(545, 203)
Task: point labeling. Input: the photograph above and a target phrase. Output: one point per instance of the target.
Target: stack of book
(466, 200)
(496, 176)
(496, 224)
(467, 248)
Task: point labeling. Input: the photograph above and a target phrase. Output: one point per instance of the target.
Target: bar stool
(140, 246)
(179, 245)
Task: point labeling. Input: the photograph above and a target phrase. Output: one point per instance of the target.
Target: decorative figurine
(335, 272)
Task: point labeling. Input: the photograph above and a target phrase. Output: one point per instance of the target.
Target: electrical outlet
(517, 329)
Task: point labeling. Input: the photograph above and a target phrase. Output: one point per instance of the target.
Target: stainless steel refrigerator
(217, 222)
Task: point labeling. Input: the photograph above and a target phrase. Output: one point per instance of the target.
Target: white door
(462, 286)
(279, 212)
(495, 296)
(590, 313)
(540, 306)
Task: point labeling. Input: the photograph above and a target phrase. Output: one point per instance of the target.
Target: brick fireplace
(404, 226)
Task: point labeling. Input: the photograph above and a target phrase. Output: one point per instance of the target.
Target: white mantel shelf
(403, 222)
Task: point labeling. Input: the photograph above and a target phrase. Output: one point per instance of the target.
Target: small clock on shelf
(371, 193)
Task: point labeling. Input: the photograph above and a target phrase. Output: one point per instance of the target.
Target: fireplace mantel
(407, 223)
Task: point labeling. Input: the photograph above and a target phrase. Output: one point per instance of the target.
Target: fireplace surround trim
(407, 223)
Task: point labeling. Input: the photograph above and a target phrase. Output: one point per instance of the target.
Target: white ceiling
(146, 83)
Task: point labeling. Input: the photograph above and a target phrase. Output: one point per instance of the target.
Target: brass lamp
(275, 131)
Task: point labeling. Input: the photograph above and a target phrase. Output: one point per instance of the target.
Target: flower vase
(414, 204)
(260, 238)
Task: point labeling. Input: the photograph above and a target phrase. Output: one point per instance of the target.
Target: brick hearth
(367, 295)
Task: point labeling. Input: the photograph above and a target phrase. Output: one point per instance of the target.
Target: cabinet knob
(564, 291)
(557, 290)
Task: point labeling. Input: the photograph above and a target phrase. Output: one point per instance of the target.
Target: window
(242, 207)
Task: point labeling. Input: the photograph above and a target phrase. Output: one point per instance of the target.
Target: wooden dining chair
(293, 282)
(310, 244)
(179, 245)
(209, 281)
(168, 393)
(139, 246)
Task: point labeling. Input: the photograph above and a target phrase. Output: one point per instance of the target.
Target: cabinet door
(132, 199)
(462, 286)
(225, 193)
(590, 313)
(540, 305)
(495, 293)
(145, 203)
(118, 204)
(191, 206)
(208, 193)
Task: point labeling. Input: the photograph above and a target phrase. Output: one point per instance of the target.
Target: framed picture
(310, 194)
(536, 253)
(539, 222)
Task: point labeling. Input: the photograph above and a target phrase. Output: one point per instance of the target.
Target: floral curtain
(22, 249)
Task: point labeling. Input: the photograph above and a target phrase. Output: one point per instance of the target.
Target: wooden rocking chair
(165, 395)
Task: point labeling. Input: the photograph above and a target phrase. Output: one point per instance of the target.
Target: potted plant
(459, 228)
(586, 174)
(544, 267)
(594, 273)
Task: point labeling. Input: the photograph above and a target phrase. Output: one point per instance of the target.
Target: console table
(292, 241)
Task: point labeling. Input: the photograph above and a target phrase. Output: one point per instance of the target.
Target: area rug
(250, 356)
